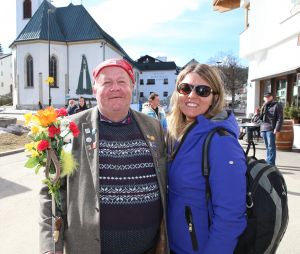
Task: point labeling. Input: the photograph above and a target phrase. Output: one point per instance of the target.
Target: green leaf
(37, 169)
(32, 162)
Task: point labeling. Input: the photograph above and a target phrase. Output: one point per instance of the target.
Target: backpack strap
(205, 149)
(206, 164)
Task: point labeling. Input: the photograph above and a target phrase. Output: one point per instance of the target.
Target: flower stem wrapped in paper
(51, 132)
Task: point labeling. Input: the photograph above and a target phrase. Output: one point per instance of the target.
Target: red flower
(61, 112)
(43, 145)
(52, 131)
(74, 128)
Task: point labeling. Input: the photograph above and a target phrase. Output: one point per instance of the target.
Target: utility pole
(49, 58)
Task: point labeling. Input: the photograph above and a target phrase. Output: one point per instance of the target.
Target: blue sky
(179, 30)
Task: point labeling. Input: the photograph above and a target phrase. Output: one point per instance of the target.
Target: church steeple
(25, 10)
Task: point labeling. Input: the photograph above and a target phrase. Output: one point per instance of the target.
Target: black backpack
(267, 204)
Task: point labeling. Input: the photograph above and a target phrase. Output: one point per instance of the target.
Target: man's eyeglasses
(201, 90)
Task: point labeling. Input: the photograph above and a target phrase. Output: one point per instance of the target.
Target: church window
(27, 9)
(53, 70)
(29, 71)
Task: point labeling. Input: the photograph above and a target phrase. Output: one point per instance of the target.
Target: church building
(54, 54)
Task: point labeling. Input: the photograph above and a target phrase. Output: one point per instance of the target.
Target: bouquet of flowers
(51, 132)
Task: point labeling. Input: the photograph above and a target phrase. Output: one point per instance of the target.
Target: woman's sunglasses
(201, 90)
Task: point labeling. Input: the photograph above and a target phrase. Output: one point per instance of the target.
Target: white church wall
(69, 60)
(58, 95)
(39, 53)
(30, 95)
(94, 55)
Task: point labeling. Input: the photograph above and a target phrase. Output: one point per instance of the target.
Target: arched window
(29, 71)
(27, 9)
(53, 70)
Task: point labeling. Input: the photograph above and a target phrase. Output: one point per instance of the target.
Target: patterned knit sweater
(130, 203)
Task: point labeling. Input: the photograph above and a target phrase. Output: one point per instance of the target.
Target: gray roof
(149, 63)
(67, 24)
(156, 66)
(2, 56)
(193, 61)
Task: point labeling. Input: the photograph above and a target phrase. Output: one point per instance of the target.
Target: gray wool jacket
(81, 212)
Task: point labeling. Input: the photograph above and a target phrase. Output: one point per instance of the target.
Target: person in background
(256, 117)
(271, 123)
(153, 109)
(40, 105)
(195, 223)
(71, 107)
(81, 105)
(115, 201)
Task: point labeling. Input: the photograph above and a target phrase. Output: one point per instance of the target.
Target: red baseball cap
(118, 62)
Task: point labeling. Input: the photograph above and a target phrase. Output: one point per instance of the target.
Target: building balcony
(257, 38)
(225, 5)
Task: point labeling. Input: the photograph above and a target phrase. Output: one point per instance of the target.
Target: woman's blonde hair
(177, 122)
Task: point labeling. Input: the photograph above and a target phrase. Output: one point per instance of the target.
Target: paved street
(19, 208)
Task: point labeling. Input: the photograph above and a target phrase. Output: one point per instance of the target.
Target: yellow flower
(29, 146)
(68, 163)
(50, 80)
(27, 118)
(34, 153)
(46, 116)
(35, 129)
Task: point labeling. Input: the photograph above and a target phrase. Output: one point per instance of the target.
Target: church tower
(25, 10)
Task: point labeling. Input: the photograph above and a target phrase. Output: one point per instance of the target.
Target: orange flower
(46, 116)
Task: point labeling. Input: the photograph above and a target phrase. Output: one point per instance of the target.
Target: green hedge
(6, 100)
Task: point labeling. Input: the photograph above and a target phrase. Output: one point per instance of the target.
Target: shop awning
(279, 73)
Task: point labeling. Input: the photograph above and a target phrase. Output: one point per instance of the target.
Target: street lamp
(49, 58)
(218, 63)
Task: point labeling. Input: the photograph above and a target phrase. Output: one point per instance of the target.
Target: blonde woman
(197, 224)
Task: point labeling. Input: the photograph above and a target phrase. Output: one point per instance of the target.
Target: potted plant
(293, 113)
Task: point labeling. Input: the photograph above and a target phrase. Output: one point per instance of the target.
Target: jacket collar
(91, 144)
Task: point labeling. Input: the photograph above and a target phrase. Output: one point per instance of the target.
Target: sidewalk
(19, 205)
(11, 112)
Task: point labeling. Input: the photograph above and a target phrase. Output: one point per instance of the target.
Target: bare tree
(233, 73)
(1, 50)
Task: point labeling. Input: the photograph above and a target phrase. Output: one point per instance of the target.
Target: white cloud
(133, 18)
(177, 29)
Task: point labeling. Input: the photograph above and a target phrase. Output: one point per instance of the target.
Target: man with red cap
(115, 201)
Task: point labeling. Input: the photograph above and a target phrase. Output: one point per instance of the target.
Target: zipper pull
(190, 227)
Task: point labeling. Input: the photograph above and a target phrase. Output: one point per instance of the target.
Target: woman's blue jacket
(188, 215)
